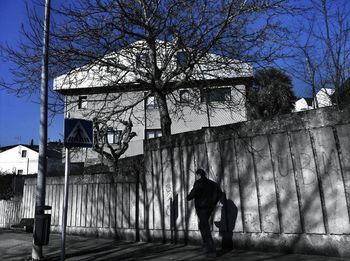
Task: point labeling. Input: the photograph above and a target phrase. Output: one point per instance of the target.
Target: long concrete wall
(288, 178)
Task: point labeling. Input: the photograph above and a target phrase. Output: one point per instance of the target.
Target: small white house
(23, 159)
(323, 97)
(304, 104)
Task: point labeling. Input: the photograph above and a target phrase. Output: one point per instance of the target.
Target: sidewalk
(17, 246)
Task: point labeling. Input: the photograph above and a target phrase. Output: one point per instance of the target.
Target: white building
(23, 160)
(20, 160)
(303, 104)
(323, 97)
(215, 94)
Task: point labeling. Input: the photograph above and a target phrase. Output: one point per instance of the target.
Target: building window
(112, 136)
(82, 102)
(151, 102)
(181, 59)
(20, 172)
(153, 133)
(185, 96)
(216, 95)
(24, 153)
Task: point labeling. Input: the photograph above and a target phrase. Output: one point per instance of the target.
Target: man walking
(206, 193)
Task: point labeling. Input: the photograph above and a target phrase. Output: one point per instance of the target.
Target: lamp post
(37, 251)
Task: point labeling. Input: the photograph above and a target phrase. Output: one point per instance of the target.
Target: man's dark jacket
(206, 193)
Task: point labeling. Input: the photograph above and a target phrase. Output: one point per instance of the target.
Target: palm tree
(272, 94)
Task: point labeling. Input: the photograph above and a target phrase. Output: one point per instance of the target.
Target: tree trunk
(165, 121)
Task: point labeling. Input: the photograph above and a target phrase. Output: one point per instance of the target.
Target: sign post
(65, 205)
(77, 133)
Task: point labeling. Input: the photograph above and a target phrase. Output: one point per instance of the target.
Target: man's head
(200, 172)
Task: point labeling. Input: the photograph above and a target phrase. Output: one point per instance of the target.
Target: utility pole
(37, 251)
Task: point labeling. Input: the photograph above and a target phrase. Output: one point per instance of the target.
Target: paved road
(17, 246)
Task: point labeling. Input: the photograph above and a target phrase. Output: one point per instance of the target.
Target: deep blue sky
(19, 117)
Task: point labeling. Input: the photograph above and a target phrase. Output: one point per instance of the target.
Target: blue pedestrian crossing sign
(78, 133)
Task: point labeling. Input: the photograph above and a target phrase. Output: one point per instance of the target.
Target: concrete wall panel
(30, 200)
(89, 205)
(112, 205)
(126, 205)
(56, 210)
(179, 197)
(190, 166)
(61, 199)
(158, 190)
(119, 206)
(95, 200)
(74, 197)
(231, 182)
(106, 205)
(167, 186)
(84, 200)
(250, 206)
(132, 203)
(78, 205)
(51, 201)
(332, 181)
(266, 185)
(285, 184)
(344, 153)
(215, 172)
(141, 199)
(99, 205)
(307, 179)
(200, 158)
(149, 201)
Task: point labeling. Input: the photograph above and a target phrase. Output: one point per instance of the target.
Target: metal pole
(65, 206)
(37, 253)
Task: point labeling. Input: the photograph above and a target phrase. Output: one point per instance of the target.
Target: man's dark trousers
(204, 228)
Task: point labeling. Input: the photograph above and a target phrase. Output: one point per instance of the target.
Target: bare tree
(155, 45)
(323, 48)
(117, 149)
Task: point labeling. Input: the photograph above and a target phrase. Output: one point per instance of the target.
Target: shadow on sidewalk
(128, 251)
